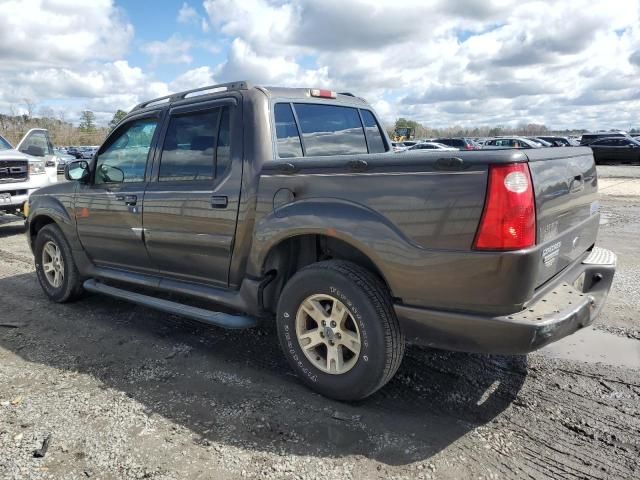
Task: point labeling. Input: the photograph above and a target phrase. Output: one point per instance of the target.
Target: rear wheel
(55, 267)
(339, 331)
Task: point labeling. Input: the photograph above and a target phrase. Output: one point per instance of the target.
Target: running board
(218, 319)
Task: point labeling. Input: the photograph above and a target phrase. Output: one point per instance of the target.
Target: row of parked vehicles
(618, 146)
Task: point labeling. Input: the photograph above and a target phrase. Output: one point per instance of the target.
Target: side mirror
(34, 151)
(77, 171)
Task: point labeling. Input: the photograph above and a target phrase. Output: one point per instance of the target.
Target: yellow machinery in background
(402, 134)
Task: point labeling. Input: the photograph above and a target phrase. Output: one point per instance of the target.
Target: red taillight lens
(509, 217)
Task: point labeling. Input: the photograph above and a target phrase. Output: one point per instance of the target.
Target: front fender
(364, 229)
(59, 208)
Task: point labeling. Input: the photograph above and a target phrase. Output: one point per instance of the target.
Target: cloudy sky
(442, 62)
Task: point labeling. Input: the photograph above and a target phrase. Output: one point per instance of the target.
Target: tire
(369, 317)
(69, 287)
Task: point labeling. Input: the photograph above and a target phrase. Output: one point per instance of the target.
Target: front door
(191, 207)
(109, 209)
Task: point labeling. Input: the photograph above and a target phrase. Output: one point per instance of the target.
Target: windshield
(4, 145)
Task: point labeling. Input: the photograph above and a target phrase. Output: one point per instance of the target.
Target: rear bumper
(568, 303)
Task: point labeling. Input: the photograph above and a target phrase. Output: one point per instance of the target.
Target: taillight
(509, 218)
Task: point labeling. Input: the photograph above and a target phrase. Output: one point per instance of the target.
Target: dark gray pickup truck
(233, 204)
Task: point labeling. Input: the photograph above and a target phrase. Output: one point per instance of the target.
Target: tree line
(61, 131)
(528, 129)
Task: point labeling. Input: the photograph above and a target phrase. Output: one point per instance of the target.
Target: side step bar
(218, 319)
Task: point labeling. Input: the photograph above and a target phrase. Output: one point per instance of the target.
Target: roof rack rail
(222, 87)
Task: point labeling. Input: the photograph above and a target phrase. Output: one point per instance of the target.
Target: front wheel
(55, 267)
(338, 330)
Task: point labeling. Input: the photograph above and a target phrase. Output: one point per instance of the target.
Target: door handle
(219, 201)
(128, 199)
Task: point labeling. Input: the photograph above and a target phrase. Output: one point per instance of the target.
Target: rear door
(108, 210)
(191, 207)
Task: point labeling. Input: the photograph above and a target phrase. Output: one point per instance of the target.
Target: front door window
(125, 158)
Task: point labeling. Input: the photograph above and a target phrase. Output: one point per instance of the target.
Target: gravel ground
(125, 392)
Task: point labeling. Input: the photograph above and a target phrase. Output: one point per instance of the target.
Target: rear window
(330, 130)
(325, 130)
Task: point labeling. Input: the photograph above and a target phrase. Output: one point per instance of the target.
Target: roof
(210, 90)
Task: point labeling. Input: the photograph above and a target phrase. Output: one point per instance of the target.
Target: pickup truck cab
(288, 205)
(31, 165)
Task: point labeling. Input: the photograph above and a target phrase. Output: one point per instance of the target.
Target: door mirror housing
(34, 151)
(77, 171)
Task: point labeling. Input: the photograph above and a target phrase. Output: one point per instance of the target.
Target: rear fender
(364, 229)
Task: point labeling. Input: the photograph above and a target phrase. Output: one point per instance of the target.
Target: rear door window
(373, 132)
(188, 149)
(330, 130)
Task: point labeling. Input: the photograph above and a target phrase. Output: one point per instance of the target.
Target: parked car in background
(248, 198)
(62, 158)
(88, 153)
(431, 146)
(616, 150)
(511, 142)
(543, 143)
(559, 141)
(588, 138)
(23, 170)
(398, 147)
(75, 151)
(459, 143)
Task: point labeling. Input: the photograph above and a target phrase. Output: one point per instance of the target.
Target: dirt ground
(122, 391)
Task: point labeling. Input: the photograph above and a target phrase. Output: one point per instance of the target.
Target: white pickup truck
(23, 170)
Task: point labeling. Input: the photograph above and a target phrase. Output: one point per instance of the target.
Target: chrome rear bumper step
(210, 317)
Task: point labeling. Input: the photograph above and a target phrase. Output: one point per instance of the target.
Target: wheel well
(294, 253)
(36, 225)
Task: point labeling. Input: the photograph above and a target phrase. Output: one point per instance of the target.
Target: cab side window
(125, 158)
(373, 132)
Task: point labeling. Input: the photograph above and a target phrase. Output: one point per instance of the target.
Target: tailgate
(566, 192)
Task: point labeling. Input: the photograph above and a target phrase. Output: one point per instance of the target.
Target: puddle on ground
(596, 346)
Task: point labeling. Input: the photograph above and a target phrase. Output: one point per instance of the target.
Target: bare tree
(30, 105)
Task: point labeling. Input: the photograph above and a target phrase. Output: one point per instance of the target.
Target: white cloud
(469, 62)
(198, 77)
(567, 64)
(61, 32)
(173, 50)
(187, 14)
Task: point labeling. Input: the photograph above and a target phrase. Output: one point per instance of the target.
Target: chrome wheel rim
(328, 334)
(52, 264)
